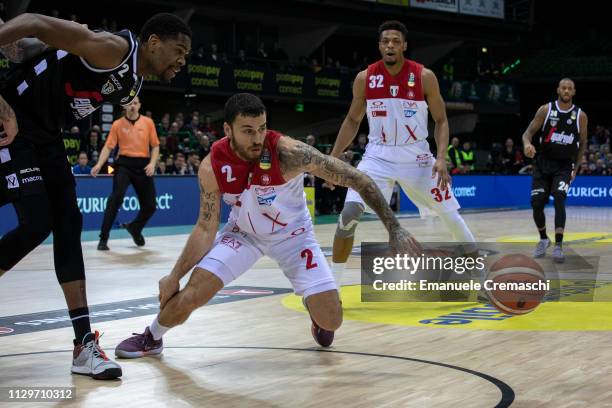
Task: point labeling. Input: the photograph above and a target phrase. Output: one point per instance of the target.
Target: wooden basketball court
(253, 347)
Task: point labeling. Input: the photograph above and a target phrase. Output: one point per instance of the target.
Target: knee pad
(348, 219)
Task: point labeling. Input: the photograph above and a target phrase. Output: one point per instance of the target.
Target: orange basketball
(515, 284)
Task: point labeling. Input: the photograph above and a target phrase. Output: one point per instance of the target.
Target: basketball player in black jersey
(562, 128)
(80, 70)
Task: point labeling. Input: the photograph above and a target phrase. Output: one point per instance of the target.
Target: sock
(559, 239)
(80, 322)
(338, 271)
(157, 330)
(543, 233)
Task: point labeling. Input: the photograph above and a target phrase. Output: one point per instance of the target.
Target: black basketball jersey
(55, 88)
(560, 136)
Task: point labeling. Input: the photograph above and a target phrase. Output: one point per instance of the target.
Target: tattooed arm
(9, 123)
(202, 236)
(297, 157)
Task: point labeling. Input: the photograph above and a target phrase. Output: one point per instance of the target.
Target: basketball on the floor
(510, 269)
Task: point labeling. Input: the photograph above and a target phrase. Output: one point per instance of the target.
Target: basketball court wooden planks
(258, 352)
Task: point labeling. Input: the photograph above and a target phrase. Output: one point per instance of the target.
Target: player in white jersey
(397, 94)
(259, 172)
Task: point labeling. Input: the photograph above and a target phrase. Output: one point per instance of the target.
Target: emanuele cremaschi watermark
(442, 272)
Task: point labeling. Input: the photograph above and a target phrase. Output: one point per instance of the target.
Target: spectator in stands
(193, 163)
(213, 56)
(453, 157)
(600, 168)
(161, 168)
(93, 142)
(204, 148)
(172, 139)
(82, 166)
(180, 165)
(209, 131)
(164, 125)
(241, 59)
(170, 169)
(584, 169)
(511, 158)
(601, 135)
(468, 160)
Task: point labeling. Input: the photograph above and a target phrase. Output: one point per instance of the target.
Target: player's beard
(246, 153)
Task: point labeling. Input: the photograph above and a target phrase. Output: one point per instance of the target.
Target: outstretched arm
(101, 49)
(297, 157)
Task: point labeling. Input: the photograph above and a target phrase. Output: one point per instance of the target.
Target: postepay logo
(464, 191)
(91, 205)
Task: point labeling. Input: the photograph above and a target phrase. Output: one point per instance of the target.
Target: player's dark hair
(165, 26)
(244, 104)
(393, 25)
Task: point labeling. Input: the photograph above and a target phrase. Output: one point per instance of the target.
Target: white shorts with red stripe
(410, 166)
(295, 249)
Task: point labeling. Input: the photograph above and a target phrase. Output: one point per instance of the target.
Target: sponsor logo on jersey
(409, 113)
(29, 170)
(116, 82)
(11, 181)
(265, 195)
(410, 94)
(394, 89)
(31, 179)
(423, 159)
(573, 116)
(265, 163)
(231, 242)
(378, 105)
(553, 122)
(561, 138)
(409, 105)
(411, 80)
(569, 122)
(265, 179)
(82, 108)
(108, 88)
(379, 114)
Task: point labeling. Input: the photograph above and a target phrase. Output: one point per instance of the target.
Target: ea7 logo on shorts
(231, 242)
(11, 181)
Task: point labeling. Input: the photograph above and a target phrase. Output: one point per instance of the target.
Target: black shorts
(20, 171)
(551, 177)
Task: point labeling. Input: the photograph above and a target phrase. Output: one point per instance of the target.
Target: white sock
(157, 330)
(338, 271)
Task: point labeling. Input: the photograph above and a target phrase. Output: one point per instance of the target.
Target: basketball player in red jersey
(397, 94)
(259, 172)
